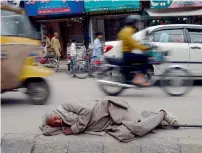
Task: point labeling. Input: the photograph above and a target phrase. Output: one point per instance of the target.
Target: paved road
(20, 117)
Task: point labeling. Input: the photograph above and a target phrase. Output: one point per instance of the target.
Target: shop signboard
(53, 7)
(156, 4)
(110, 6)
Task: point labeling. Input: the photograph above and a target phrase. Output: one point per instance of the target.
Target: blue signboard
(108, 5)
(52, 7)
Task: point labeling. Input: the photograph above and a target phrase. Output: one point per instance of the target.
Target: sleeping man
(112, 116)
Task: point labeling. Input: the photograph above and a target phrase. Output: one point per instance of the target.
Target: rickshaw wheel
(38, 91)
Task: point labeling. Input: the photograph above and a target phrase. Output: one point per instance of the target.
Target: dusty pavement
(20, 121)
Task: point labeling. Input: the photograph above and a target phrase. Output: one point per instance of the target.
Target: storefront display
(113, 26)
(53, 7)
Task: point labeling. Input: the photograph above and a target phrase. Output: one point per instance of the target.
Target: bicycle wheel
(81, 69)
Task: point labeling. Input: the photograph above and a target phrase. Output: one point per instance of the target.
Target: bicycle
(86, 66)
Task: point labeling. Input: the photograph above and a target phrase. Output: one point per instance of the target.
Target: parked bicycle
(86, 66)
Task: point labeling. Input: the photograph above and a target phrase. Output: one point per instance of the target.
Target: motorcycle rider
(132, 22)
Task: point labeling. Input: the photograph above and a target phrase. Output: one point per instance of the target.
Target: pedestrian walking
(55, 45)
(97, 48)
(73, 54)
(113, 116)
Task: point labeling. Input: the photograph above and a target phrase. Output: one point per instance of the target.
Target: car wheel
(38, 91)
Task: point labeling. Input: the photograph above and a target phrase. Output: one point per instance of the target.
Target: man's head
(73, 40)
(98, 35)
(56, 34)
(134, 21)
(54, 120)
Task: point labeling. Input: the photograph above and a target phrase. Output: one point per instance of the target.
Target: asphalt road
(20, 117)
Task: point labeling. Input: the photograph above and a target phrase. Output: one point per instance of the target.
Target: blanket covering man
(112, 116)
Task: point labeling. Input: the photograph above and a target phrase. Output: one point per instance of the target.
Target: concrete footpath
(151, 143)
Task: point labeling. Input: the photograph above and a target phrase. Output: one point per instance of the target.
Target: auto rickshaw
(19, 39)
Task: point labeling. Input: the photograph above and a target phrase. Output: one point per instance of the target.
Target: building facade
(79, 19)
(65, 17)
(108, 16)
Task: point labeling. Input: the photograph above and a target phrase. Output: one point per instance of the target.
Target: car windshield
(13, 24)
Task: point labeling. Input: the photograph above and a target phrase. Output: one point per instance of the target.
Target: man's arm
(83, 119)
(134, 43)
(52, 44)
(97, 44)
(59, 45)
(75, 48)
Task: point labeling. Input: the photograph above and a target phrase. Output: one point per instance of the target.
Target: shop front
(108, 16)
(175, 12)
(62, 16)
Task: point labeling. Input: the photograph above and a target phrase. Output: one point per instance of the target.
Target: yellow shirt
(128, 43)
(55, 45)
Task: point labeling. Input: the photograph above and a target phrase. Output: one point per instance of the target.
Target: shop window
(195, 35)
(167, 36)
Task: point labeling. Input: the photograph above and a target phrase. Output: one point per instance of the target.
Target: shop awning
(169, 12)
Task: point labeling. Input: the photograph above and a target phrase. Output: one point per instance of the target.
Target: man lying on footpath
(112, 116)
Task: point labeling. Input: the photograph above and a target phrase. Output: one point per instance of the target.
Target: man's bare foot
(141, 83)
(139, 80)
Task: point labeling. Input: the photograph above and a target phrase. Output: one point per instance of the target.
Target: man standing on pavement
(97, 48)
(113, 116)
(55, 45)
(73, 54)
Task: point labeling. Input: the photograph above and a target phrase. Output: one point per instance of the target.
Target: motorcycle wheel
(185, 81)
(111, 75)
(38, 91)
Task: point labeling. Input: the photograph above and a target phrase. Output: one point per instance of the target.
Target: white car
(183, 41)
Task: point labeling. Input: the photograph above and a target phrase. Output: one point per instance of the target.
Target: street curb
(33, 143)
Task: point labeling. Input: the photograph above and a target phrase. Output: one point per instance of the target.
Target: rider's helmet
(134, 20)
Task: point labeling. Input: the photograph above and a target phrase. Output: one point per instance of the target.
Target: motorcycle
(68, 62)
(111, 74)
(50, 62)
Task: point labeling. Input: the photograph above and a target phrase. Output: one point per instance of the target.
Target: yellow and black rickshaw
(19, 40)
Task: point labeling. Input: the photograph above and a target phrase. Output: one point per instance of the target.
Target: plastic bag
(156, 57)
